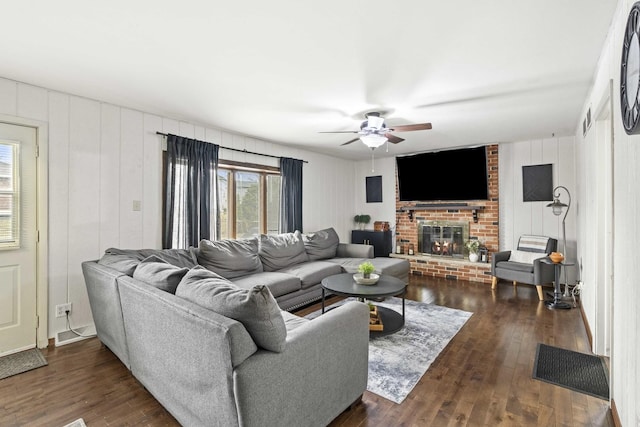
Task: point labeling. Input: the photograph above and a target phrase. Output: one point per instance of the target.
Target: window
(249, 200)
(9, 196)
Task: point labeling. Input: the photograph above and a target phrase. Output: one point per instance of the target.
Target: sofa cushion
(321, 244)
(230, 258)
(255, 308)
(312, 272)
(396, 267)
(281, 250)
(515, 266)
(160, 274)
(350, 265)
(292, 321)
(525, 256)
(278, 283)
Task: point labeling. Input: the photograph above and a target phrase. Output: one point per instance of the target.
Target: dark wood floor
(482, 378)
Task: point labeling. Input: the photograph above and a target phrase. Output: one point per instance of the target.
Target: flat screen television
(459, 175)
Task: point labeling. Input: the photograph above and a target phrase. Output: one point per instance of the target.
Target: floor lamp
(557, 207)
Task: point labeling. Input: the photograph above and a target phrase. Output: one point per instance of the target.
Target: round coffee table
(387, 286)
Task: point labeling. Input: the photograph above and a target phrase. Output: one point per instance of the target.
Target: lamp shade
(557, 206)
(373, 140)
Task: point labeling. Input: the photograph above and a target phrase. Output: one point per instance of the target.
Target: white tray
(360, 280)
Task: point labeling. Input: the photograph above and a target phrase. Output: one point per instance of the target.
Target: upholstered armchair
(524, 264)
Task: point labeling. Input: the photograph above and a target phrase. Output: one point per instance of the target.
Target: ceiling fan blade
(407, 128)
(341, 131)
(393, 139)
(349, 142)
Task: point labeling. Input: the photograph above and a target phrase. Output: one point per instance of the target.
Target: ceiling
(283, 70)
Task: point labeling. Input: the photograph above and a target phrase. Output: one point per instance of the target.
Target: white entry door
(18, 238)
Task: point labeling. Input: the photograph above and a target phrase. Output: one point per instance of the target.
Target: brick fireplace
(482, 217)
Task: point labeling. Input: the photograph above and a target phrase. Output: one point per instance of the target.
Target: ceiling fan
(374, 132)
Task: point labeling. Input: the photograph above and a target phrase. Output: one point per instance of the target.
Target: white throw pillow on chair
(525, 257)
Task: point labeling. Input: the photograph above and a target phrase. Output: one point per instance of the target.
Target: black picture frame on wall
(374, 189)
(537, 183)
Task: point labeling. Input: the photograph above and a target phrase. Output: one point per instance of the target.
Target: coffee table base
(387, 286)
(392, 322)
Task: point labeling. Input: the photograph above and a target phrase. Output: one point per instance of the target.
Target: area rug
(398, 361)
(580, 372)
(23, 361)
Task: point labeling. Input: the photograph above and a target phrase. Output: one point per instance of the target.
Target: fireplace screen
(442, 238)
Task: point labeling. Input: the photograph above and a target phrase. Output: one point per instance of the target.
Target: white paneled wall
(328, 194)
(151, 176)
(385, 211)
(131, 167)
(625, 345)
(84, 200)
(110, 177)
(518, 217)
(104, 157)
(58, 205)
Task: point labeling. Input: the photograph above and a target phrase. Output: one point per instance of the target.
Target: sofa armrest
(498, 257)
(354, 250)
(104, 300)
(543, 272)
(183, 353)
(322, 371)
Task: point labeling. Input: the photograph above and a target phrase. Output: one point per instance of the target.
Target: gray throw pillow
(321, 244)
(255, 308)
(160, 274)
(230, 258)
(282, 250)
(122, 263)
(177, 257)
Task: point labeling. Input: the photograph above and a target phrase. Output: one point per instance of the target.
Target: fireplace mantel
(435, 206)
(443, 206)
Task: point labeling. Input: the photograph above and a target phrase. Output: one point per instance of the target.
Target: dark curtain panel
(291, 195)
(191, 173)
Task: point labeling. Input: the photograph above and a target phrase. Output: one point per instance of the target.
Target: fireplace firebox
(442, 238)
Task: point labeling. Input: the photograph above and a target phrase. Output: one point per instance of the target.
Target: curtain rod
(240, 151)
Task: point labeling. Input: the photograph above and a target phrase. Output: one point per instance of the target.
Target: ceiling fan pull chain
(372, 162)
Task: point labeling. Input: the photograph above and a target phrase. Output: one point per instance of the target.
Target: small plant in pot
(473, 246)
(362, 220)
(366, 268)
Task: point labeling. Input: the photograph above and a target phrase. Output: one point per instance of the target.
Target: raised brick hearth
(485, 229)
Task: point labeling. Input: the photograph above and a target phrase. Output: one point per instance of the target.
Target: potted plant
(362, 220)
(473, 246)
(366, 268)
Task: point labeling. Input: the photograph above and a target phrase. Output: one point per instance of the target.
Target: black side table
(557, 302)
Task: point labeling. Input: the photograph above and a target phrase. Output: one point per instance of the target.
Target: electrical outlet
(61, 309)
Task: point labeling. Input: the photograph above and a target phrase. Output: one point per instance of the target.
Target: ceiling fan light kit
(373, 140)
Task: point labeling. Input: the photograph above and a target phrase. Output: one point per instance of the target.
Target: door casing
(42, 173)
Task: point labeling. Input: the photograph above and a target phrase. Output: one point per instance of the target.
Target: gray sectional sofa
(207, 330)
